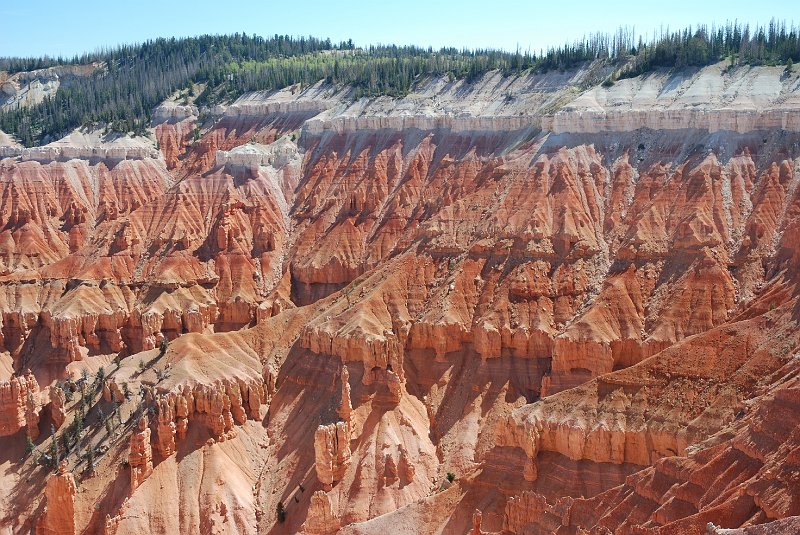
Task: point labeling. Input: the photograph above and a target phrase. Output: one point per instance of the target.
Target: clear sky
(62, 27)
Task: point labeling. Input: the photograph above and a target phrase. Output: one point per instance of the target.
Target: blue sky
(53, 27)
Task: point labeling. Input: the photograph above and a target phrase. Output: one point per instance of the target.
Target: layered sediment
(513, 305)
(739, 121)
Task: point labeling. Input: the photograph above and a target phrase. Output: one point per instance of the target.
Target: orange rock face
(58, 413)
(340, 325)
(140, 456)
(20, 405)
(59, 515)
(332, 452)
(321, 519)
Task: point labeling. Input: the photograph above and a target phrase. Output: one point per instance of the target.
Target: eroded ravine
(582, 327)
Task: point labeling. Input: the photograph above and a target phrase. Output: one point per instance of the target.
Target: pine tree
(53, 451)
(137, 78)
(29, 445)
(90, 459)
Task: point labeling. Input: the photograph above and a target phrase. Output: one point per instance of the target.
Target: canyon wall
(506, 306)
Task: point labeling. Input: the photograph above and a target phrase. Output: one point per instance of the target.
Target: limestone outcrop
(28, 88)
(341, 125)
(49, 154)
(711, 100)
(253, 155)
(740, 121)
(171, 111)
(252, 106)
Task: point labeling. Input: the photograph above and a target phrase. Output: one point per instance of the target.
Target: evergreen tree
(136, 78)
(109, 426)
(90, 459)
(281, 513)
(53, 451)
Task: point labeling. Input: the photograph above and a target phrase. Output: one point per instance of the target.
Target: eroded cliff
(456, 311)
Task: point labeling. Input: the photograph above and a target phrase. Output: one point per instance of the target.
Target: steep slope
(315, 314)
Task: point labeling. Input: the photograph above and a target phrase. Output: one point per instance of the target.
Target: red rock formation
(406, 465)
(530, 512)
(345, 406)
(166, 428)
(331, 452)
(122, 220)
(59, 513)
(477, 519)
(32, 409)
(112, 392)
(759, 482)
(140, 455)
(687, 485)
(321, 518)
(219, 406)
(58, 401)
(175, 130)
(20, 405)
